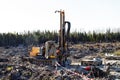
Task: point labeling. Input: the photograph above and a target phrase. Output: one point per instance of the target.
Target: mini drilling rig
(50, 53)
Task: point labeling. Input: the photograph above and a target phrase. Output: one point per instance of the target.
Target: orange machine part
(35, 51)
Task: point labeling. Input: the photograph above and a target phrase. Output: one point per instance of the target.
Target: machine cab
(50, 49)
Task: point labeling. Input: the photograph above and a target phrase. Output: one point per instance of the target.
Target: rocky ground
(12, 66)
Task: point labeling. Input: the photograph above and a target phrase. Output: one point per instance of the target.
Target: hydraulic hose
(68, 29)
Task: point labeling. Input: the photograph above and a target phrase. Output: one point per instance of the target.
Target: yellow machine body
(50, 50)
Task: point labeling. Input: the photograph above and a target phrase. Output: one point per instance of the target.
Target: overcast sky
(84, 15)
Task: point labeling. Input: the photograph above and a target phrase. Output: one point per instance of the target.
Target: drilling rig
(52, 52)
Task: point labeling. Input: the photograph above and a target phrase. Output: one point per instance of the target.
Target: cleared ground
(12, 66)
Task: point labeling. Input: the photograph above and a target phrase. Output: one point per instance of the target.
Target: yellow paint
(52, 57)
(35, 51)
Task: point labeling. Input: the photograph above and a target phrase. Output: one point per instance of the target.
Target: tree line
(39, 37)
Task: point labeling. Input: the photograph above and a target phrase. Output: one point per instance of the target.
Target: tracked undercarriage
(40, 61)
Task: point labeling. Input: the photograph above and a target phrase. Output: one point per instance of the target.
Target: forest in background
(39, 37)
